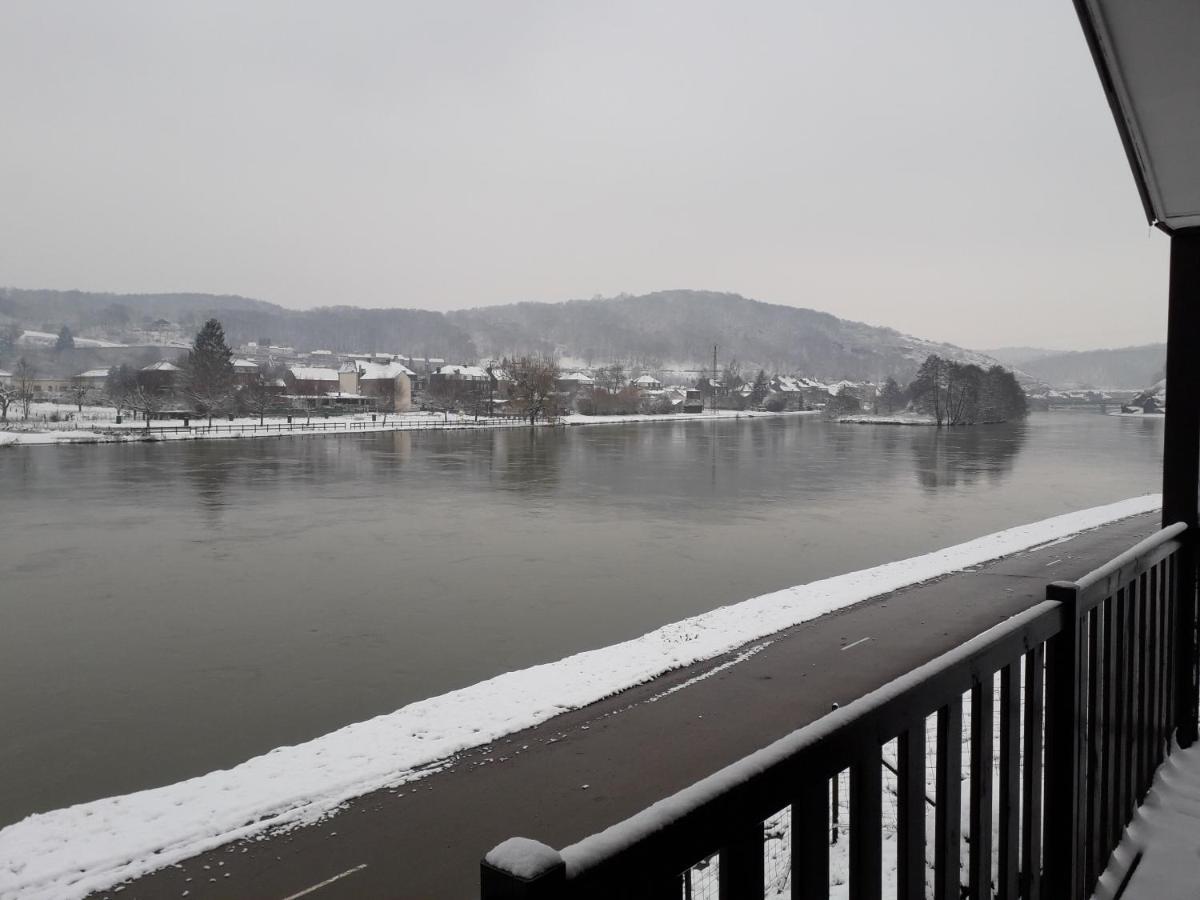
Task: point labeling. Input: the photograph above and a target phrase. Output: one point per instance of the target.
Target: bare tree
(534, 380)
(147, 399)
(731, 378)
(958, 393)
(611, 378)
(929, 388)
(79, 390)
(120, 386)
(8, 396)
(24, 374)
(258, 397)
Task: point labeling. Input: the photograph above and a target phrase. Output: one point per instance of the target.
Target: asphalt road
(587, 769)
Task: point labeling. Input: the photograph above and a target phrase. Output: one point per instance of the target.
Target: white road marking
(326, 882)
(741, 657)
(856, 643)
(1054, 562)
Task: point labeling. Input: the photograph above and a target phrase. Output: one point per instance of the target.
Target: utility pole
(713, 382)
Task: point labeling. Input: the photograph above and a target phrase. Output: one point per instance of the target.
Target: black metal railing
(1102, 671)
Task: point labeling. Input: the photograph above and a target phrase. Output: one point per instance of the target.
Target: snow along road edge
(68, 853)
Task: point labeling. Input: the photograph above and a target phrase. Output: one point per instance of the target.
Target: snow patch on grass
(70, 852)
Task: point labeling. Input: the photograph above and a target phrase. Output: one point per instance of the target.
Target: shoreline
(122, 434)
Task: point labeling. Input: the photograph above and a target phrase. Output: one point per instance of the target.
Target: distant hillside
(1124, 367)
(1020, 356)
(679, 328)
(414, 331)
(661, 330)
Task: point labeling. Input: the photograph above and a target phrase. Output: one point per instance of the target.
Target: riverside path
(589, 768)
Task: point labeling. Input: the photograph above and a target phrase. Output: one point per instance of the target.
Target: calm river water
(168, 609)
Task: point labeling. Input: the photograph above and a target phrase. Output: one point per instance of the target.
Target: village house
(96, 378)
(245, 371)
(421, 366)
(647, 383)
(159, 377)
(572, 384)
(456, 383)
(50, 387)
(348, 375)
(312, 381)
(388, 385)
(863, 391)
(799, 392)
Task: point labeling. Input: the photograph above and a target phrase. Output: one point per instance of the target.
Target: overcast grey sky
(947, 168)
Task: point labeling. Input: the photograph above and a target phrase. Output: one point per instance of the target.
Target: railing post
(522, 869)
(1181, 460)
(1065, 761)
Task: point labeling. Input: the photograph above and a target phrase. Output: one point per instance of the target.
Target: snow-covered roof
(5, 374)
(646, 379)
(373, 371)
(796, 383)
(313, 373)
(161, 366)
(244, 364)
(90, 373)
(463, 371)
(578, 377)
(838, 386)
(321, 353)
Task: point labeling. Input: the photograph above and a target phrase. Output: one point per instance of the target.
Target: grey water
(169, 609)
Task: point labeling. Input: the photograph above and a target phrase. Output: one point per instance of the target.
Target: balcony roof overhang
(1148, 55)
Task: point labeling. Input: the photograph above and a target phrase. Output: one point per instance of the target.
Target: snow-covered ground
(70, 852)
(97, 425)
(1166, 832)
(906, 419)
(578, 419)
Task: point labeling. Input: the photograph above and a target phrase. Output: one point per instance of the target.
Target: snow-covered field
(70, 852)
(75, 428)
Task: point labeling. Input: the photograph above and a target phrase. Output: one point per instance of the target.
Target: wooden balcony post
(1181, 458)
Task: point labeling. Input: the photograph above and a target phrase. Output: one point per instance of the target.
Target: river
(168, 609)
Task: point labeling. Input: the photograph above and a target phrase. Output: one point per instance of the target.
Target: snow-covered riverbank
(90, 846)
(887, 420)
(107, 432)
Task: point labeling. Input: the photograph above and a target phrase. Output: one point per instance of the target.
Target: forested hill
(1122, 367)
(350, 328)
(665, 329)
(671, 328)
